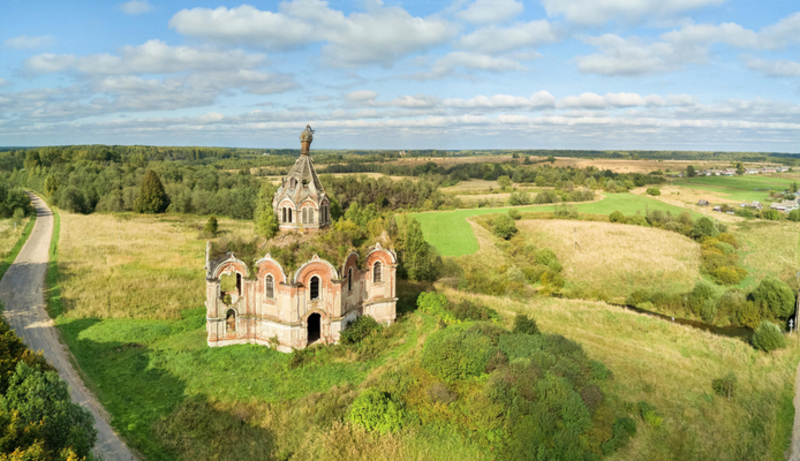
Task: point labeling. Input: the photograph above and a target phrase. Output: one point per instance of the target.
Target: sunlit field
(9, 235)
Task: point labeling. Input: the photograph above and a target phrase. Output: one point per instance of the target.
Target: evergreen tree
(420, 259)
(265, 218)
(690, 172)
(152, 197)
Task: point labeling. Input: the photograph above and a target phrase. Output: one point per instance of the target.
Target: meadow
(770, 249)
(12, 238)
(452, 235)
(739, 188)
(617, 259)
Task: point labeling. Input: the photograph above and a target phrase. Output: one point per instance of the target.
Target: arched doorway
(313, 328)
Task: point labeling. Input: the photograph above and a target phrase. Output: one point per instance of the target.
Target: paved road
(21, 290)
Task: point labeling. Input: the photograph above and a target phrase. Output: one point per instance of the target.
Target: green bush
(650, 415)
(504, 226)
(525, 325)
(456, 353)
(794, 215)
(356, 331)
(749, 315)
(654, 191)
(545, 256)
(468, 310)
(514, 214)
(709, 311)
(729, 275)
(703, 227)
(731, 302)
(698, 296)
(772, 215)
(768, 337)
(376, 411)
(726, 386)
(623, 429)
(774, 298)
(212, 226)
(617, 217)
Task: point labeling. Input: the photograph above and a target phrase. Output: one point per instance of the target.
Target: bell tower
(300, 202)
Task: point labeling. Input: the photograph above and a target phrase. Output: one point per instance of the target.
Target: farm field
(450, 233)
(739, 188)
(617, 259)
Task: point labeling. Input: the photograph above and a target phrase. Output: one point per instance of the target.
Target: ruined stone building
(314, 303)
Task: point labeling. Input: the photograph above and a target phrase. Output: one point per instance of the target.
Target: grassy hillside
(452, 235)
(617, 259)
(740, 188)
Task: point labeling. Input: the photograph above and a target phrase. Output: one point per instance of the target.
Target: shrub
(730, 239)
(650, 415)
(552, 278)
(729, 275)
(622, 430)
(749, 315)
(617, 216)
(699, 294)
(435, 304)
(376, 411)
(152, 197)
(768, 337)
(456, 353)
(772, 215)
(525, 325)
(703, 227)
(709, 311)
(514, 214)
(731, 302)
(504, 227)
(468, 310)
(519, 198)
(638, 220)
(794, 215)
(774, 297)
(545, 256)
(211, 227)
(726, 386)
(654, 191)
(359, 329)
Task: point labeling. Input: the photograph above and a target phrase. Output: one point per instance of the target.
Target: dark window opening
(314, 287)
(290, 215)
(284, 215)
(313, 328)
(270, 287)
(230, 321)
(376, 272)
(350, 279)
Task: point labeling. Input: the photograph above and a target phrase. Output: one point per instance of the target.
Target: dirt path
(21, 290)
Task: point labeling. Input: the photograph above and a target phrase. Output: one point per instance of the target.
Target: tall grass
(8, 238)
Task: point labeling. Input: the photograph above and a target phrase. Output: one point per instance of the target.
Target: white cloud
(600, 11)
(538, 100)
(379, 36)
(136, 7)
(502, 39)
(633, 56)
(362, 95)
(4, 82)
(490, 11)
(448, 64)
(780, 68)
(24, 42)
(152, 57)
(610, 100)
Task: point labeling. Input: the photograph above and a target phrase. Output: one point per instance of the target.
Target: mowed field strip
(452, 235)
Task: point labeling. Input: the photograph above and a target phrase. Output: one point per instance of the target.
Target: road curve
(22, 293)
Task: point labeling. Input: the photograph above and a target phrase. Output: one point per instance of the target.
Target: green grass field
(739, 188)
(11, 241)
(452, 235)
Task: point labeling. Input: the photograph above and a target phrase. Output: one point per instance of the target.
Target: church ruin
(315, 302)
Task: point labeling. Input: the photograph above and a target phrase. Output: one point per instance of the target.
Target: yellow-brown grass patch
(616, 259)
(9, 235)
(771, 249)
(134, 266)
(688, 198)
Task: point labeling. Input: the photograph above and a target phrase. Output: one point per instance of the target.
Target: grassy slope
(739, 188)
(18, 241)
(617, 259)
(452, 235)
(770, 249)
(144, 364)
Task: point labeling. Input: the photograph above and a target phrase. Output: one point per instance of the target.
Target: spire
(305, 140)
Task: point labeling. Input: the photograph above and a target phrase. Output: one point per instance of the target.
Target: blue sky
(466, 74)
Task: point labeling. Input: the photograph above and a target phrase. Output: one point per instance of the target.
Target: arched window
(230, 321)
(290, 215)
(284, 214)
(269, 285)
(311, 216)
(350, 279)
(305, 215)
(376, 272)
(314, 289)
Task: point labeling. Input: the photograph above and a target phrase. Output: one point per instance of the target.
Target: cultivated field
(453, 236)
(671, 366)
(617, 259)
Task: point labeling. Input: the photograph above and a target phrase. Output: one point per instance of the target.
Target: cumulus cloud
(490, 11)
(152, 57)
(4, 82)
(634, 56)
(450, 63)
(362, 95)
(595, 12)
(538, 100)
(379, 36)
(503, 39)
(135, 7)
(24, 42)
(610, 100)
(780, 68)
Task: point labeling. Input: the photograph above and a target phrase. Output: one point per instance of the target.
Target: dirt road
(21, 291)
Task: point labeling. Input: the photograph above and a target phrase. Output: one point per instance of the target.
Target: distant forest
(219, 181)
